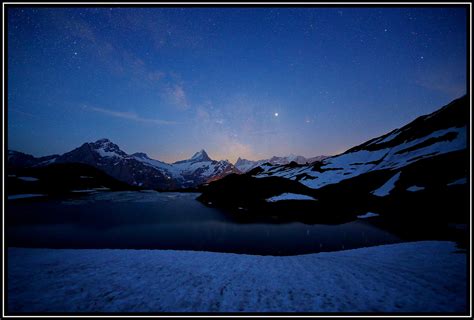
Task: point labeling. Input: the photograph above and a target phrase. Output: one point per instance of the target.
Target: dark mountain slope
(416, 173)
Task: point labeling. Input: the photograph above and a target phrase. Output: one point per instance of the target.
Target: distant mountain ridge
(245, 165)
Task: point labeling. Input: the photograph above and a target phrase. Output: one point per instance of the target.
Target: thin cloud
(130, 116)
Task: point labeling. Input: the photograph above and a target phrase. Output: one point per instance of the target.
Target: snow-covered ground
(427, 276)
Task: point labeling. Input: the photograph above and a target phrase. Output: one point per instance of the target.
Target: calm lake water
(153, 220)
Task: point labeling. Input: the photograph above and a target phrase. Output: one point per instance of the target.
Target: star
(276, 114)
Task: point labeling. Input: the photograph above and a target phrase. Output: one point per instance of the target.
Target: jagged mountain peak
(106, 148)
(201, 156)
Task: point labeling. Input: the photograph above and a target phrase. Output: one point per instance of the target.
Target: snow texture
(427, 276)
(368, 215)
(290, 196)
(25, 195)
(387, 187)
(415, 188)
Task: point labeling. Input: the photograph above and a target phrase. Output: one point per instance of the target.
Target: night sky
(248, 82)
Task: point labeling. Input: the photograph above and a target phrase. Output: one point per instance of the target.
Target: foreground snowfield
(427, 276)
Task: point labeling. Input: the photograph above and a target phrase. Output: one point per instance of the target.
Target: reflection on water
(152, 220)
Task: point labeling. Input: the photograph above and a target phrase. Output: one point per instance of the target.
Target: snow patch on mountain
(459, 181)
(387, 187)
(104, 153)
(290, 196)
(368, 215)
(415, 188)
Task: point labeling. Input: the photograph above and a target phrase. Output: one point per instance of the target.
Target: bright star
(276, 114)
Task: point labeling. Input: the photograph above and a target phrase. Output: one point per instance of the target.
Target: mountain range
(136, 169)
(139, 170)
(424, 157)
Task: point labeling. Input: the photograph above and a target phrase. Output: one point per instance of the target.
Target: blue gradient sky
(169, 82)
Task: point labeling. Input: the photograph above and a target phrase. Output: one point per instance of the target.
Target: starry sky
(249, 82)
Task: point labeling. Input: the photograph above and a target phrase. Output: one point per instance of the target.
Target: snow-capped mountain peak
(200, 156)
(106, 148)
